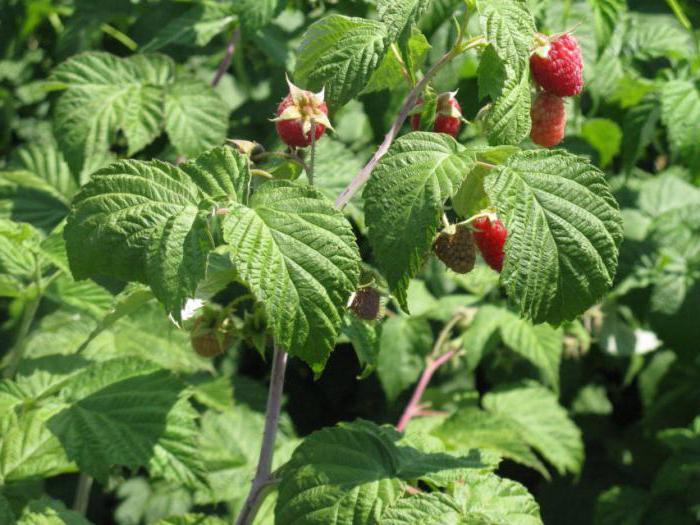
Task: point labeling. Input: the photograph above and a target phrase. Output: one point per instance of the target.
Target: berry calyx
(448, 116)
(490, 236)
(557, 65)
(548, 120)
(208, 339)
(298, 112)
(455, 247)
(365, 303)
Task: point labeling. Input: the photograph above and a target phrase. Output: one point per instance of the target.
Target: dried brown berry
(455, 247)
(365, 303)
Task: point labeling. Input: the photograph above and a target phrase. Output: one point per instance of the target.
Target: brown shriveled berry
(365, 303)
(455, 247)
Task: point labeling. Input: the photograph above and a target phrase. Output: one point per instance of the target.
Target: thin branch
(82, 493)
(226, 61)
(409, 102)
(433, 363)
(263, 475)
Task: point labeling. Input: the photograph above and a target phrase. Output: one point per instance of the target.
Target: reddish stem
(226, 61)
(412, 408)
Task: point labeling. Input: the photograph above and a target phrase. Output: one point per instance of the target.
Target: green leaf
(340, 54)
(364, 337)
(426, 508)
(6, 514)
(18, 246)
(297, 253)
(25, 197)
(543, 423)
(106, 94)
(404, 199)
(140, 221)
(621, 505)
(46, 511)
(605, 136)
(607, 17)
(498, 500)
(666, 192)
(657, 35)
(680, 113)
(564, 230)
(222, 174)
(29, 450)
(46, 162)
(195, 116)
(510, 29)
(255, 14)
(400, 15)
(491, 73)
(508, 120)
(129, 412)
(389, 74)
(639, 128)
(403, 346)
(197, 25)
(141, 96)
(473, 428)
(337, 476)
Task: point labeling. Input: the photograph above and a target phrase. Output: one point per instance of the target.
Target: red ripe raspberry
(548, 120)
(296, 113)
(448, 118)
(557, 65)
(490, 236)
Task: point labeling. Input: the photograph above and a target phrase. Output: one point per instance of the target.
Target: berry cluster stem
(434, 361)
(263, 479)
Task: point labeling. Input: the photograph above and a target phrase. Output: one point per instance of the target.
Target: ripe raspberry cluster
(557, 67)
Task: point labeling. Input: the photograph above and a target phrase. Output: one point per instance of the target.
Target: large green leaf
(195, 116)
(564, 230)
(129, 412)
(46, 511)
(508, 120)
(29, 450)
(349, 474)
(340, 54)
(297, 253)
(197, 25)
(146, 221)
(510, 29)
(680, 112)
(404, 200)
(543, 423)
(400, 15)
(471, 428)
(339, 476)
(255, 14)
(140, 96)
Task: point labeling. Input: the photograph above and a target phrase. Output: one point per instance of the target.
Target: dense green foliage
(565, 388)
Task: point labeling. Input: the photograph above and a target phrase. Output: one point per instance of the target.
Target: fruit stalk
(263, 474)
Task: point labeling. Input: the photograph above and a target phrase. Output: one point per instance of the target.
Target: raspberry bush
(349, 262)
